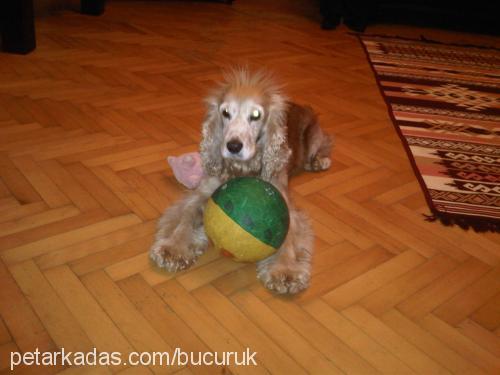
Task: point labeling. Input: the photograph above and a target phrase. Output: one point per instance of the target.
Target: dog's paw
(172, 256)
(320, 164)
(282, 279)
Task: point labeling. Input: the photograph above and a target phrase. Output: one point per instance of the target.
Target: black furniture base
(476, 16)
(17, 23)
(17, 26)
(92, 7)
(331, 11)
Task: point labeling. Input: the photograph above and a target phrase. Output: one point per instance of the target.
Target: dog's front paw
(173, 256)
(283, 279)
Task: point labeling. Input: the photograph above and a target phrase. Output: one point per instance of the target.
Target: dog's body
(249, 130)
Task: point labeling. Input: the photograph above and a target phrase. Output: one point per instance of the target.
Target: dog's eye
(255, 115)
(225, 113)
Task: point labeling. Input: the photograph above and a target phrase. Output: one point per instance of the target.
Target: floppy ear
(276, 151)
(211, 157)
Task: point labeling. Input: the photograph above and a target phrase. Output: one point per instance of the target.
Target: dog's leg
(181, 238)
(318, 148)
(289, 270)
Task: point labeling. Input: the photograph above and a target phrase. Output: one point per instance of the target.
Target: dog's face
(243, 120)
(244, 131)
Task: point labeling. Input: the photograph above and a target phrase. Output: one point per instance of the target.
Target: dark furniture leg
(17, 26)
(331, 11)
(92, 7)
(357, 14)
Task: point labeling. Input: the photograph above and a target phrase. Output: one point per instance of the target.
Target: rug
(444, 101)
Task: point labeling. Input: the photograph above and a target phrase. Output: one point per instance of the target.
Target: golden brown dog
(249, 130)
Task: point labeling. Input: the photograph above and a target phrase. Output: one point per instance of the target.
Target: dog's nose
(234, 146)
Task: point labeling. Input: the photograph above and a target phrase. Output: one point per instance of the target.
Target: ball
(246, 218)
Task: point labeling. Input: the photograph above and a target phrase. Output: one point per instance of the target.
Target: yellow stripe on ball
(228, 235)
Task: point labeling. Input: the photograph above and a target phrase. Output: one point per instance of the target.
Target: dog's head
(244, 123)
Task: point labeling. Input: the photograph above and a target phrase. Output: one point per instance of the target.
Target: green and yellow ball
(246, 218)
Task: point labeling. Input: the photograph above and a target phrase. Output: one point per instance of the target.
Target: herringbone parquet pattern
(86, 122)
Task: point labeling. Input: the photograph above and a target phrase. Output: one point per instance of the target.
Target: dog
(250, 129)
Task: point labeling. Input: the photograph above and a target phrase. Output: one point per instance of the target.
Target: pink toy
(187, 169)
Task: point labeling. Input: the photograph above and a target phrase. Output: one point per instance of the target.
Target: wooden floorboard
(86, 122)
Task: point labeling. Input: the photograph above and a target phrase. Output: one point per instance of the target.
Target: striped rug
(444, 101)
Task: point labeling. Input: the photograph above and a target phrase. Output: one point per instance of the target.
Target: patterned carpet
(444, 101)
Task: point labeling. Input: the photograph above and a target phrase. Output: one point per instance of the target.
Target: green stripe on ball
(257, 206)
(228, 237)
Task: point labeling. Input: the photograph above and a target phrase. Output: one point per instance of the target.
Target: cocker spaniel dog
(249, 130)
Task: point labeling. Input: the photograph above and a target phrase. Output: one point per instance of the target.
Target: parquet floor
(86, 122)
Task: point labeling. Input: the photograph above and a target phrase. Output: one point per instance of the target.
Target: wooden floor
(86, 122)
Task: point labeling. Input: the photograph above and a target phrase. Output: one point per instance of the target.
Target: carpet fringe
(465, 222)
